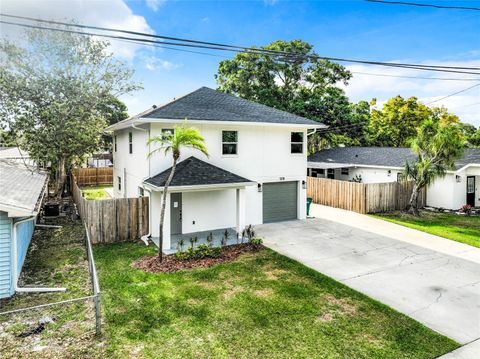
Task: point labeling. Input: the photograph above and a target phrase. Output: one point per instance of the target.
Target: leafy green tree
(183, 137)
(52, 91)
(397, 122)
(113, 110)
(438, 145)
(303, 85)
(472, 134)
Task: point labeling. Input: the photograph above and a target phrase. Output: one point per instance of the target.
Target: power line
(414, 77)
(424, 5)
(453, 94)
(225, 47)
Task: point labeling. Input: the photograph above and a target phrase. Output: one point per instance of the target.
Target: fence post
(98, 315)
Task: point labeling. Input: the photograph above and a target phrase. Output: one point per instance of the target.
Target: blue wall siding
(6, 287)
(24, 236)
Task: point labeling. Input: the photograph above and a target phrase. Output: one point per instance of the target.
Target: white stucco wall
(131, 167)
(369, 175)
(264, 155)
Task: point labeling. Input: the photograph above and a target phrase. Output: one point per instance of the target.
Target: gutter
(15, 262)
(147, 236)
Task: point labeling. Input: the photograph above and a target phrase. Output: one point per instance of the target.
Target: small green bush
(202, 251)
(256, 241)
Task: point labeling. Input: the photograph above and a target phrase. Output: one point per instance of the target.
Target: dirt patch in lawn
(172, 264)
(343, 304)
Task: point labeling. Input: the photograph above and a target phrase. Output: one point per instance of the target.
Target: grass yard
(56, 258)
(263, 305)
(455, 227)
(94, 193)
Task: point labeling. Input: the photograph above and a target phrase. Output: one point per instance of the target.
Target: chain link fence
(69, 327)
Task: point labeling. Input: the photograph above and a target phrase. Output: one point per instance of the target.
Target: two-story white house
(256, 171)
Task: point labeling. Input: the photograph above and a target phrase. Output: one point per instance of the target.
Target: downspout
(15, 261)
(146, 237)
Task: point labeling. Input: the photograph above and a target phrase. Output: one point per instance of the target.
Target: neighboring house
(16, 155)
(20, 199)
(460, 186)
(100, 160)
(256, 171)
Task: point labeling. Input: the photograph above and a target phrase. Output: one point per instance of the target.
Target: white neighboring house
(256, 171)
(384, 164)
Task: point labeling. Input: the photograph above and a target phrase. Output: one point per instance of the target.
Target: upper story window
(130, 142)
(115, 143)
(296, 139)
(119, 180)
(167, 131)
(229, 142)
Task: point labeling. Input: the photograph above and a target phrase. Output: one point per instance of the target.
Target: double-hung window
(229, 142)
(167, 132)
(296, 142)
(119, 180)
(130, 142)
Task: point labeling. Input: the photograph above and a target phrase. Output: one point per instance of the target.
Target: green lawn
(56, 258)
(452, 226)
(263, 305)
(94, 193)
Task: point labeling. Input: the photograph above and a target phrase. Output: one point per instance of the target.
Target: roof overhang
(146, 120)
(468, 166)
(329, 165)
(14, 211)
(203, 187)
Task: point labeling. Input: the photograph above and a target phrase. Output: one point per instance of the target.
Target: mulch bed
(172, 264)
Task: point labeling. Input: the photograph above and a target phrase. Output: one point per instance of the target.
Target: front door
(471, 190)
(175, 213)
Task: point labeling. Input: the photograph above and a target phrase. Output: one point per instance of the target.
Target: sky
(350, 29)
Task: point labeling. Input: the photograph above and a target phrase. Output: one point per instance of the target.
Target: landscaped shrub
(256, 241)
(467, 209)
(202, 251)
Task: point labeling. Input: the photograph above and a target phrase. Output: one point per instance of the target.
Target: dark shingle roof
(382, 156)
(211, 105)
(194, 172)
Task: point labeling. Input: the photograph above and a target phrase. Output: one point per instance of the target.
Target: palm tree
(437, 146)
(188, 137)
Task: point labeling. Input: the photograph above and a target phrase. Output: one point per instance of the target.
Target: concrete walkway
(431, 279)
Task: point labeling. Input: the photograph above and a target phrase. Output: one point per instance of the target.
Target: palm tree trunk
(413, 203)
(162, 211)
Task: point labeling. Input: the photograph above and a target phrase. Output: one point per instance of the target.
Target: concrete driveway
(431, 279)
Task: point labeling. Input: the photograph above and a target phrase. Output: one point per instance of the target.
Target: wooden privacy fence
(362, 197)
(94, 176)
(112, 220)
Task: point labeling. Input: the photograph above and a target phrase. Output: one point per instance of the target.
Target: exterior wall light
(458, 178)
(389, 173)
(259, 187)
(304, 185)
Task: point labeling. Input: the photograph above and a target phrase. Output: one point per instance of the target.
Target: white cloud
(104, 13)
(155, 4)
(365, 87)
(153, 63)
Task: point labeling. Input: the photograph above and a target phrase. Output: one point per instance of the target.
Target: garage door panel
(279, 201)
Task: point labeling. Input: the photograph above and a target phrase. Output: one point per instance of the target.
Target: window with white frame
(229, 142)
(331, 173)
(296, 142)
(130, 142)
(141, 192)
(119, 181)
(345, 171)
(115, 143)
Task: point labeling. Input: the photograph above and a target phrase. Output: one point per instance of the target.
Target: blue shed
(21, 193)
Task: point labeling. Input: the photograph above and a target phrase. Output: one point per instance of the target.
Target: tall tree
(438, 145)
(301, 84)
(113, 110)
(51, 94)
(397, 122)
(182, 137)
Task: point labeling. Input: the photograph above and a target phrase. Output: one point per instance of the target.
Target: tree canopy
(55, 92)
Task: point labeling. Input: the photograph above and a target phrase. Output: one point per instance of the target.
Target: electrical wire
(223, 47)
(453, 94)
(424, 5)
(414, 77)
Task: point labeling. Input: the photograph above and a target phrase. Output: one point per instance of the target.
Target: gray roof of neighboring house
(12, 152)
(195, 172)
(382, 156)
(22, 188)
(211, 105)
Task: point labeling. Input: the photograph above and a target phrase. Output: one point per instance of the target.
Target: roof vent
(154, 106)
